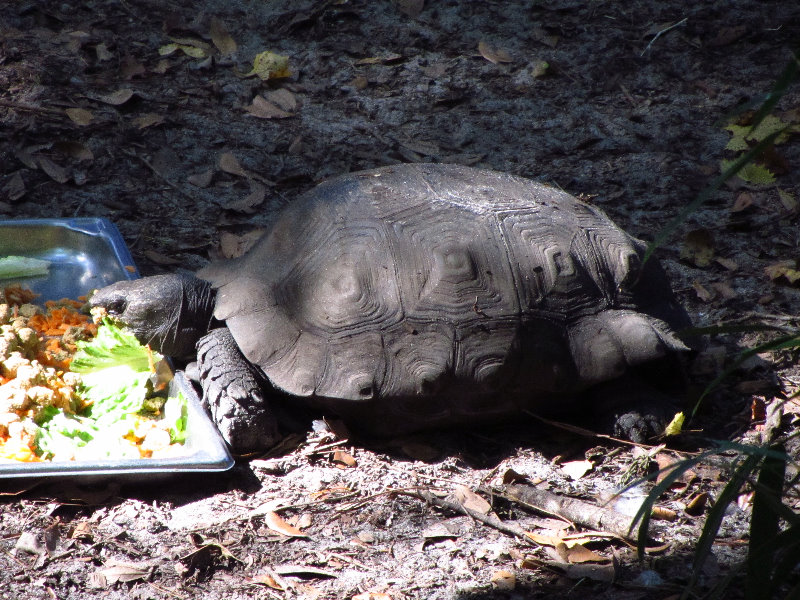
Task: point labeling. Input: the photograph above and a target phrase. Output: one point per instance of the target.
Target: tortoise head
(168, 312)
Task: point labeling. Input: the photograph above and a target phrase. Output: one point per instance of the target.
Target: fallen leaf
(788, 200)
(724, 290)
(469, 499)
(201, 180)
(493, 55)
(577, 468)
(221, 38)
(230, 164)
(676, 425)
(702, 293)
(79, 116)
(269, 65)
(344, 458)
(697, 504)
(440, 531)
(303, 571)
(663, 513)
(743, 202)
(578, 553)
(14, 189)
(698, 247)
(503, 580)
(193, 49)
(82, 531)
(667, 464)
(540, 35)
(264, 109)
(118, 572)
(54, 171)
(160, 259)
(277, 524)
(102, 52)
(785, 270)
(283, 98)
(117, 98)
(249, 202)
(539, 68)
(148, 120)
(268, 580)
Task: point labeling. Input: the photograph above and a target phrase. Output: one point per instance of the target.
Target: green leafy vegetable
(14, 267)
(117, 372)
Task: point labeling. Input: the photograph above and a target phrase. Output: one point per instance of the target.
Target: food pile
(71, 389)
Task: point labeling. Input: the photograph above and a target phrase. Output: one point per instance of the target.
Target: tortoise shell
(442, 290)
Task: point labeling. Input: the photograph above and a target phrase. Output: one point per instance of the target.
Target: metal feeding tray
(86, 254)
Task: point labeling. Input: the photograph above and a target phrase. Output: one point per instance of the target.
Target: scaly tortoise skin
(411, 297)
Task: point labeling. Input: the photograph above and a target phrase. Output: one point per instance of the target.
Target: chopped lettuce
(117, 374)
(16, 267)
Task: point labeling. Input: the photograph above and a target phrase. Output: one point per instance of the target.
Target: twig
(584, 432)
(30, 107)
(149, 165)
(663, 31)
(489, 520)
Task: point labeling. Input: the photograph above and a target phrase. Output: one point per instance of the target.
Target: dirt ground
(143, 112)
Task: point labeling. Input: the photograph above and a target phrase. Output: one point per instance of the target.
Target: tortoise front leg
(233, 392)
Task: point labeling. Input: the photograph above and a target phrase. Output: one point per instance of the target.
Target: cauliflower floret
(28, 310)
(14, 361)
(29, 341)
(13, 398)
(30, 374)
(6, 418)
(5, 313)
(41, 395)
(72, 379)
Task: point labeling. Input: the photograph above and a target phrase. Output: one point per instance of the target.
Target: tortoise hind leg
(233, 392)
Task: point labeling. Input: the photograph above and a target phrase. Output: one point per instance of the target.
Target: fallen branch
(574, 510)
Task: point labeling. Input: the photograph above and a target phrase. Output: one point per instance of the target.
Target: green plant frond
(749, 450)
(764, 525)
(673, 473)
(715, 516)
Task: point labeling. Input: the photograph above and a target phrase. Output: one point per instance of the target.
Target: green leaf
(14, 267)
(752, 173)
(112, 347)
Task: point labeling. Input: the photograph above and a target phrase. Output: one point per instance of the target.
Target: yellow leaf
(188, 50)
(676, 425)
(167, 49)
(269, 65)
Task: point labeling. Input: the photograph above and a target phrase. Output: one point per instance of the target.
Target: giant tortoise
(410, 297)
